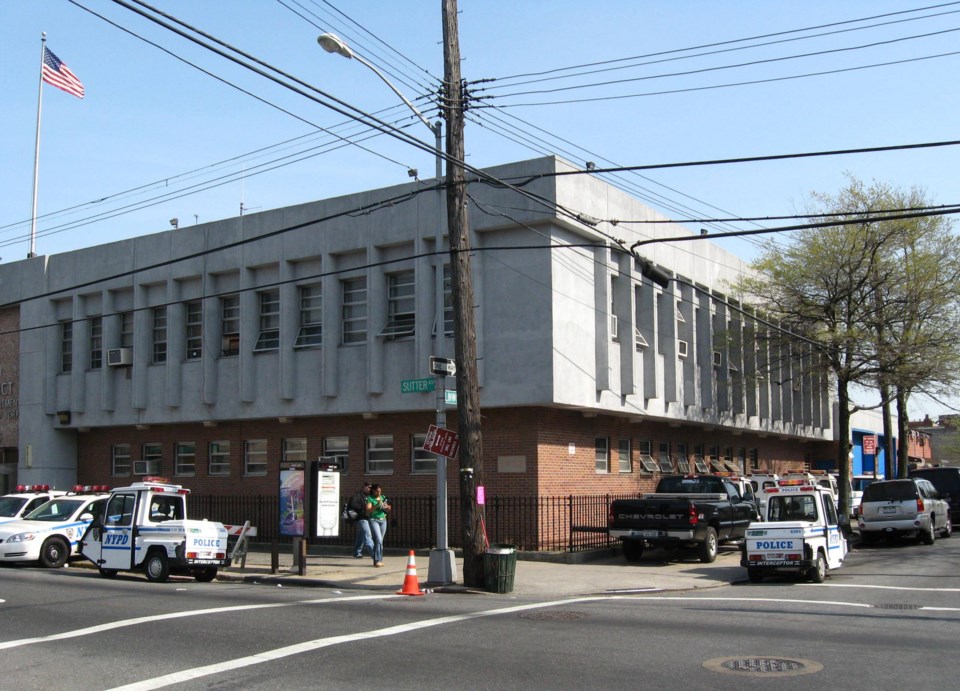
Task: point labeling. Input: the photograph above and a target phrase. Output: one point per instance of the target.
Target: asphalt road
(889, 617)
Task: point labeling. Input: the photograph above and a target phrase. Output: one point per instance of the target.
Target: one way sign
(442, 441)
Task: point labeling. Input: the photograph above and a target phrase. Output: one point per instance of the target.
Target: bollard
(274, 556)
(301, 556)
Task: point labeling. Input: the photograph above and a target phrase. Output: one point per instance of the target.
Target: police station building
(216, 353)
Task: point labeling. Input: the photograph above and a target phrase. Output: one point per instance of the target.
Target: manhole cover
(763, 666)
(553, 616)
(895, 605)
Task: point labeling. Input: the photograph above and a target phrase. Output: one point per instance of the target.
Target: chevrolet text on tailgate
(698, 511)
(802, 534)
(145, 528)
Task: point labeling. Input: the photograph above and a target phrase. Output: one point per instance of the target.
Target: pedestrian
(376, 511)
(358, 504)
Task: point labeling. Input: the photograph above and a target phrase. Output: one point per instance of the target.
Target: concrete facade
(575, 346)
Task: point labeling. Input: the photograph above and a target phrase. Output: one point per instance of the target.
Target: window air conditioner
(119, 357)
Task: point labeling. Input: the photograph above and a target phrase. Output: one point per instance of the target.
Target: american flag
(59, 75)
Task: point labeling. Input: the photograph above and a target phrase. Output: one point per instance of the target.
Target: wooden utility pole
(464, 324)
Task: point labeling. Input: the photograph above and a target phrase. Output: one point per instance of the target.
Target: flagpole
(36, 153)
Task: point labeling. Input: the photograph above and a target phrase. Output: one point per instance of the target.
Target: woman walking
(377, 509)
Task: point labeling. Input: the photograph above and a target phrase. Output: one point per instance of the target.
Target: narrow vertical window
(401, 306)
(126, 329)
(185, 458)
(380, 453)
(66, 347)
(255, 457)
(219, 457)
(311, 317)
(194, 329)
(339, 449)
(230, 325)
(354, 310)
(602, 454)
(96, 342)
(159, 335)
(623, 453)
(421, 461)
(447, 301)
(269, 337)
(120, 460)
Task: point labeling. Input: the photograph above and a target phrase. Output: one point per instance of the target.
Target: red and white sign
(870, 445)
(442, 441)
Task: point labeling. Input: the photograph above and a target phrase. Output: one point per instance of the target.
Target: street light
(442, 562)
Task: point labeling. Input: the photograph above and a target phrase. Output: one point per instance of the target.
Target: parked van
(947, 482)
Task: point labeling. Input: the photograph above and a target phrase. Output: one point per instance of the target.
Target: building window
(126, 329)
(614, 327)
(194, 329)
(269, 338)
(645, 454)
(152, 460)
(185, 458)
(401, 306)
(255, 457)
(354, 310)
(219, 457)
(715, 462)
(120, 460)
(229, 325)
(602, 454)
(699, 461)
(666, 463)
(311, 316)
(623, 454)
(422, 461)
(742, 460)
(683, 459)
(66, 347)
(338, 448)
(380, 454)
(96, 342)
(159, 335)
(295, 449)
(754, 459)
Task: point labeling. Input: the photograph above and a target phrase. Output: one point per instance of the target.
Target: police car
(50, 534)
(24, 500)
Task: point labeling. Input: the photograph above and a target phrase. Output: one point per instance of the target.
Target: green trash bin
(499, 567)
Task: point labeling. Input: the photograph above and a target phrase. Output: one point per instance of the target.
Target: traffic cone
(410, 585)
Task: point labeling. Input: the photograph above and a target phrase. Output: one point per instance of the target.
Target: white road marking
(76, 633)
(882, 587)
(307, 646)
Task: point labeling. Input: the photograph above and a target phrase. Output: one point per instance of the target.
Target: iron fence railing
(569, 523)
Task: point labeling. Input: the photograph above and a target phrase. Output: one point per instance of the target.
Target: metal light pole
(443, 566)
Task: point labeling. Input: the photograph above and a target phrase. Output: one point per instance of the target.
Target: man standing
(358, 503)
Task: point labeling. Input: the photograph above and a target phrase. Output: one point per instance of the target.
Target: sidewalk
(537, 574)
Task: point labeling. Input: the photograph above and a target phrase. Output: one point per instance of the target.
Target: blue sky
(152, 129)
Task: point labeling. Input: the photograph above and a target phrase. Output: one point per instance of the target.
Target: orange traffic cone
(410, 585)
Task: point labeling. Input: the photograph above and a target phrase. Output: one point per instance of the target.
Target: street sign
(442, 441)
(417, 385)
(442, 366)
(450, 397)
(870, 445)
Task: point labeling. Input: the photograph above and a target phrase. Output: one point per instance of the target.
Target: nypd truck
(801, 535)
(145, 528)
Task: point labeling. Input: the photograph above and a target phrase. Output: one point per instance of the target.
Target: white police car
(50, 534)
(27, 497)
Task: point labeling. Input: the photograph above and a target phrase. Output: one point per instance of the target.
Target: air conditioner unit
(146, 467)
(119, 357)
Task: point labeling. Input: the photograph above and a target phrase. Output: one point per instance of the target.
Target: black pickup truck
(686, 511)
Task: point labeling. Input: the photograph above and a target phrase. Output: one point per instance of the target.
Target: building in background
(216, 353)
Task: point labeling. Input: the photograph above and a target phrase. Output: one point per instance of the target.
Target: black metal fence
(559, 524)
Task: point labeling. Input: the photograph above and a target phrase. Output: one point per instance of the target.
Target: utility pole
(464, 324)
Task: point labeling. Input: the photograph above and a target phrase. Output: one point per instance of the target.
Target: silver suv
(891, 508)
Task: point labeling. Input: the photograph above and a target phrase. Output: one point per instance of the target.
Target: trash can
(499, 567)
